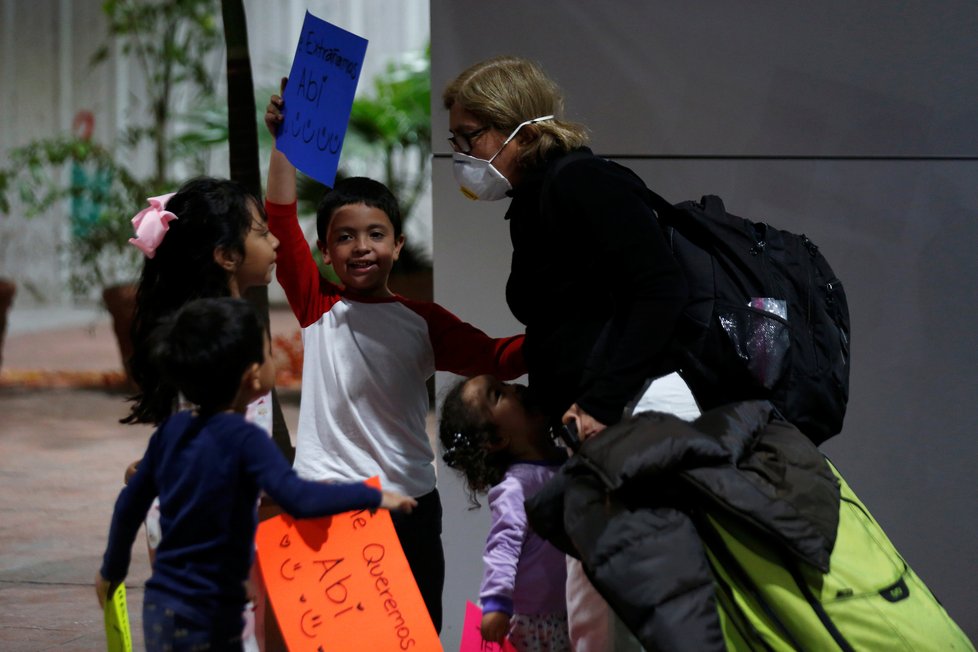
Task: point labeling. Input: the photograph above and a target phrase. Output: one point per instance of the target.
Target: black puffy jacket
(627, 504)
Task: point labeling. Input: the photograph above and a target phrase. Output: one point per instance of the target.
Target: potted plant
(99, 232)
(171, 43)
(7, 291)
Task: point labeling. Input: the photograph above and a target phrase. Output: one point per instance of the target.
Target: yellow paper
(118, 638)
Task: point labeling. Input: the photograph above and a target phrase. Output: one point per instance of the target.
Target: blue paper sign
(319, 96)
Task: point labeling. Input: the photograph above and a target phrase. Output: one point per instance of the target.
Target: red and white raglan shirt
(364, 402)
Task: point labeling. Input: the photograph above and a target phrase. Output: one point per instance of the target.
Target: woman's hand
(587, 426)
(495, 626)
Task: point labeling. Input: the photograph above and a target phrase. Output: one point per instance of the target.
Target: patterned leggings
(539, 632)
(166, 631)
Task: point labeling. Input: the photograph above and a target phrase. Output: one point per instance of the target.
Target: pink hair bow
(151, 224)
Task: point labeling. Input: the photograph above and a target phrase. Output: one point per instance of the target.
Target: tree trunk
(242, 124)
(245, 168)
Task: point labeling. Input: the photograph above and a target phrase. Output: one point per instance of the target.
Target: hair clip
(151, 224)
(452, 450)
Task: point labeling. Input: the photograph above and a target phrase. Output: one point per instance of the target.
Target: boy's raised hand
(397, 502)
(273, 112)
(281, 172)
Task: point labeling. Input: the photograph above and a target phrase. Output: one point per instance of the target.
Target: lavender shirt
(523, 573)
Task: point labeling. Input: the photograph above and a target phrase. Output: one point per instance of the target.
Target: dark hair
(465, 438)
(206, 346)
(357, 190)
(211, 214)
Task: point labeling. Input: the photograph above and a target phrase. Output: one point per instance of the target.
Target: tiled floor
(61, 463)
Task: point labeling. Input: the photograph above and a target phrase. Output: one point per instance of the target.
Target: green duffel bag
(869, 600)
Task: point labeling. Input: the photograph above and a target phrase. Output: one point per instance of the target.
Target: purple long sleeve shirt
(523, 573)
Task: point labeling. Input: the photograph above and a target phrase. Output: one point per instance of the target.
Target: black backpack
(767, 318)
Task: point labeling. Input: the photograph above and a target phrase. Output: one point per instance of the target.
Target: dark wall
(853, 122)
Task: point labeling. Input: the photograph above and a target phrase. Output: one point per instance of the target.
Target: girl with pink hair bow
(208, 239)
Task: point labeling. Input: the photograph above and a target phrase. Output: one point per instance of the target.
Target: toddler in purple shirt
(501, 446)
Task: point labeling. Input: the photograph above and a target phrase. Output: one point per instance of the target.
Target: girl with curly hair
(499, 443)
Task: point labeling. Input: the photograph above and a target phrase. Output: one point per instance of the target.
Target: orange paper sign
(342, 583)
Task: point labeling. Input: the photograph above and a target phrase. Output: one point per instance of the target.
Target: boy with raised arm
(369, 352)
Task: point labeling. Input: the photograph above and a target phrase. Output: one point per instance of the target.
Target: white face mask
(477, 178)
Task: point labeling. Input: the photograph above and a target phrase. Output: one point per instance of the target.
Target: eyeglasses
(462, 141)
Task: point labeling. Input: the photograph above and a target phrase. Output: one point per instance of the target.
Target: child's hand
(102, 587)
(131, 470)
(495, 626)
(398, 502)
(273, 112)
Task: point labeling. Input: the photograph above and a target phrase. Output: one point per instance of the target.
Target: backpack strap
(666, 212)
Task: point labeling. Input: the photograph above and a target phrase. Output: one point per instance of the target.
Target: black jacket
(627, 503)
(594, 282)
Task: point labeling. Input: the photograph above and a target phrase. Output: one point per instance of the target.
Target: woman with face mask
(592, 277)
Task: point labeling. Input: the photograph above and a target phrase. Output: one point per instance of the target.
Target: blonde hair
(507, 90)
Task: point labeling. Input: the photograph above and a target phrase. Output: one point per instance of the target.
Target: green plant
(99, 232)
(170, 43)
(394, 124)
